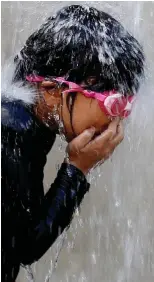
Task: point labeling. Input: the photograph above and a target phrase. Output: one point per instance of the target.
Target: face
(85, 114)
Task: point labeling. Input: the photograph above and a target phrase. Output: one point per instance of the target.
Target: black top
(31, 221)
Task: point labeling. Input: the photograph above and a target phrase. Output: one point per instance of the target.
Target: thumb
(83, 139)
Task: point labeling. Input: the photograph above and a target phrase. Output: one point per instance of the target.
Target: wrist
(72, 180)
(82, 170)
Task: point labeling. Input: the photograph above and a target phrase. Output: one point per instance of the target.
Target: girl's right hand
(85, 152)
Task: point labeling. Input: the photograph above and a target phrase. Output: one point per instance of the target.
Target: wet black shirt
(31, 221)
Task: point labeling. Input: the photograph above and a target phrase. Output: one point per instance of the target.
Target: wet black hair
(79, 42)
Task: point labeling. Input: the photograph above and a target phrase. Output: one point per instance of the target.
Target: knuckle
(111, 146)
(96, 142)
(94, 145)
(73, 147)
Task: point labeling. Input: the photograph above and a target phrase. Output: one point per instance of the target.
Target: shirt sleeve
(33, 220)
(55, 214)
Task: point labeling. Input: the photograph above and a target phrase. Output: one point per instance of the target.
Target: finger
(113, 126)
(104, 137)
(109, 133)
(119, 136)
(83, 139)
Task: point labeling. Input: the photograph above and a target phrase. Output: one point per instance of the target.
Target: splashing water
(111, 239)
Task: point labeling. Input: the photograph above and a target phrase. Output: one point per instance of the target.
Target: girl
(82, 70)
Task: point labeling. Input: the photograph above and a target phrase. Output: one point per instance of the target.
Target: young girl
(82, 69)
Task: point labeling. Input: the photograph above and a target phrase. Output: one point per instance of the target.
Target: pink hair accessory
(34, 78)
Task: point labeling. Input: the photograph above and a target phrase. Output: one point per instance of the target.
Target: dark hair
(80, 42)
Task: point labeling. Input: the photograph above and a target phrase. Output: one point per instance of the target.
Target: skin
(86, 111)
(92, 143)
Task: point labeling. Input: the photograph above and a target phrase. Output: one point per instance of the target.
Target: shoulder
(15, 115)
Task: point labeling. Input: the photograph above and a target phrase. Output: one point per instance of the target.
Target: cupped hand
(85, 151)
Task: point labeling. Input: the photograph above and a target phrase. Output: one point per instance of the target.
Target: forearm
(65, 194)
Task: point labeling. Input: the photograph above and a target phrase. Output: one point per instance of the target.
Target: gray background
(112, 238)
